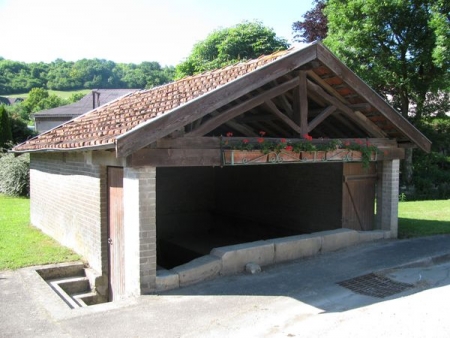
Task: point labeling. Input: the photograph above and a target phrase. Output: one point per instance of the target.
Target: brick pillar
(387, 196)
(139, 189)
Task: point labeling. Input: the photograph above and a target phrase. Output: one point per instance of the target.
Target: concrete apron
(238, 258)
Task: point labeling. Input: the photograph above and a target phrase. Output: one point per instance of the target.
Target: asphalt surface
(296, 299)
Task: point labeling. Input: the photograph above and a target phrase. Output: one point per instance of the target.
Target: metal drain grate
(375, 286)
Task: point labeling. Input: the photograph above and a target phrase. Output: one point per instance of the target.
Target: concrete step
(89, 298)
(73, 285)
(63, 270)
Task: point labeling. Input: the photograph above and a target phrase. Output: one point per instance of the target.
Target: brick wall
(68, 201)
(139, 188)
(387, 197)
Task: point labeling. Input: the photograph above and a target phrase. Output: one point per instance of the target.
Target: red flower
(289, 148)
(262, 133)
(245, 141)
(307, 137)
(283, 140)
(260, 140)
(229, 134)
(347, 144)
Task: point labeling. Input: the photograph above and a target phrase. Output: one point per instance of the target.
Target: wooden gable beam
(243, 129)
(337, 67)
(300, 103)
(241, 108)
(165, 124)
(368, 126)
(274, 110)
(321, 117)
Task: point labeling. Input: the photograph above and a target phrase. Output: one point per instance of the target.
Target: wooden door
(358, 196)
(115, 234)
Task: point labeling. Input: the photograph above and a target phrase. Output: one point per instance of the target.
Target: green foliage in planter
(15, 175)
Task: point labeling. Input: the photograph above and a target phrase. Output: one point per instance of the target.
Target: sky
(129, 31)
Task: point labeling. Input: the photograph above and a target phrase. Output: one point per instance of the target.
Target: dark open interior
(200, 208)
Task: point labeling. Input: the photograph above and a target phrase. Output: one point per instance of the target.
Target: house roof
(90, 101)
(10, 100)
(260, 94)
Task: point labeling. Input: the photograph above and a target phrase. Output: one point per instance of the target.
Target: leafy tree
(226, 46)
(39, 99)
(395, 45)
(20, 130)
(314, 25)
(5, 129)
(398, 47)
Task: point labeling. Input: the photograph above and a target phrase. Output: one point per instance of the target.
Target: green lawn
(423, 218)
(23, 245)
(63, 94)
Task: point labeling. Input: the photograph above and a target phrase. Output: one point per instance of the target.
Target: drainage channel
(72, 285)
(375, 285)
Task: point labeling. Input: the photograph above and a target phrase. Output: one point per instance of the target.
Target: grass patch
(423, 218)
(23, 245)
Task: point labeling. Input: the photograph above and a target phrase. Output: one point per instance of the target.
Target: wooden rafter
(367, 126)
(321, 117)
(274, 110)
(241, 108)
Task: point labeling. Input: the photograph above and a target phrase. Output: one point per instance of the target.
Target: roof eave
(109, 146)
(372, 97)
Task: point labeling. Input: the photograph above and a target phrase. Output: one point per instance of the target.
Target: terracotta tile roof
(101, 127)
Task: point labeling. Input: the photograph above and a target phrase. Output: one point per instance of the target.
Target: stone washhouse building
(140, 186)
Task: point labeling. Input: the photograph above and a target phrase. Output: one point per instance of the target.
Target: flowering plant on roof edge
(262, 144)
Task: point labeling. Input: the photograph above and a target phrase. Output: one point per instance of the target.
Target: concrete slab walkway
(296, 299)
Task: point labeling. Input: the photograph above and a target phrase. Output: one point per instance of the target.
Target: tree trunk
(407, 167)
(407, 164)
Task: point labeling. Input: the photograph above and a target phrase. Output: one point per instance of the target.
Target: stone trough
(233, 259)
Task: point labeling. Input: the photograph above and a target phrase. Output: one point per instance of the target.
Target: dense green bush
(15, 175)
(431, 178)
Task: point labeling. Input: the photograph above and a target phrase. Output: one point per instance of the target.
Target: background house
(140, 187)
(50, 118)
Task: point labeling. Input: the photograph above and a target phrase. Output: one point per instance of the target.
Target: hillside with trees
(20, 77)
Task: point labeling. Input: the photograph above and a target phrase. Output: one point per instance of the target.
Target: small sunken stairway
(71, 282)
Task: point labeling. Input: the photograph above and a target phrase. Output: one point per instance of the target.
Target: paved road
(297, 299)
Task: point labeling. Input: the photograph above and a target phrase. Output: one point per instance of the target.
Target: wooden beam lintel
(175, 157)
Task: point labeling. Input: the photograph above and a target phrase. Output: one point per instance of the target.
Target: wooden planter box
(244, 157)
(313, 156)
